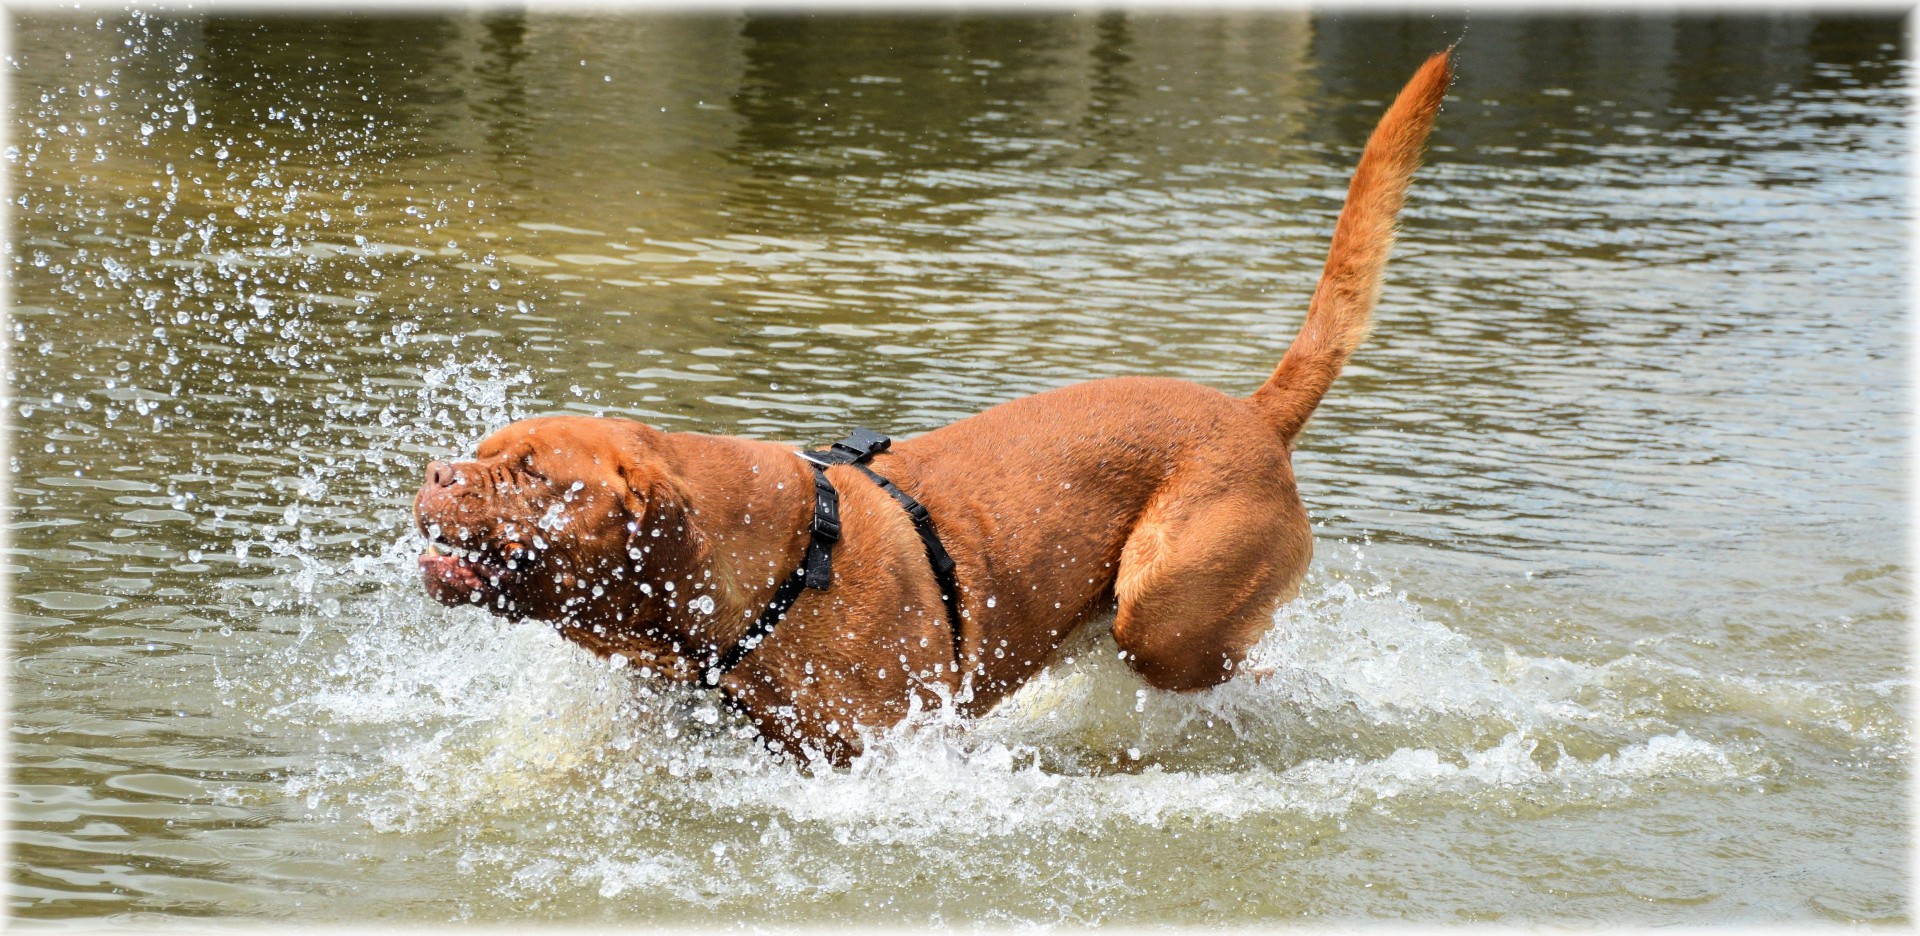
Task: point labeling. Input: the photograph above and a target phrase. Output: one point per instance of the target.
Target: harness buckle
(852, 450)
(826, 508)
(864, 444)
(825, 527)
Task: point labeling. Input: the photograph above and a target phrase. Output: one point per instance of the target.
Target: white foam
(483, 717)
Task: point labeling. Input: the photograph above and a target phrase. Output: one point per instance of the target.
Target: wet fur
(1170, 503)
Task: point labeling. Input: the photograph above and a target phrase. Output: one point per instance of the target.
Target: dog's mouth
(457, 575)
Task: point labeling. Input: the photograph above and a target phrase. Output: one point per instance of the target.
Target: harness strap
(936, 553)
(855, 450)
(816, 570)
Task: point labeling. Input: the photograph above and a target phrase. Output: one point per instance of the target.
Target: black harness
(816, 570)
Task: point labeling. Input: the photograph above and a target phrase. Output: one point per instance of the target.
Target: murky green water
(1607, 621)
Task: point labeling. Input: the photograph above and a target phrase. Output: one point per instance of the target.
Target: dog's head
(574, 520)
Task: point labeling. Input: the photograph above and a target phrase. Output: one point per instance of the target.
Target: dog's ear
(664, 540)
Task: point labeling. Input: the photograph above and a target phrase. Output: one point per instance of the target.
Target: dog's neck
(753, 503)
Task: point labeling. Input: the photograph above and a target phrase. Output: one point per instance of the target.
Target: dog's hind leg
(1201, 576)
(1223, 543)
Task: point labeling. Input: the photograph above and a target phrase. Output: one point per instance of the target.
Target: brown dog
(1169, 502)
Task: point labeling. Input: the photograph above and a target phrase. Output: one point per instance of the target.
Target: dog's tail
(1342, 306)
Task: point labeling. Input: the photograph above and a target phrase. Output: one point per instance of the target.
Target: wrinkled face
(537, 525)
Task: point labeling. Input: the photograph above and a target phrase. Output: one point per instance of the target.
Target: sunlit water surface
(1606, 621)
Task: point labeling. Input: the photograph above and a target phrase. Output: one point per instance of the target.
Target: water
(1607, 619)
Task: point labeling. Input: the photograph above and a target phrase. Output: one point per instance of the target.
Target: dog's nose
(441, 474)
